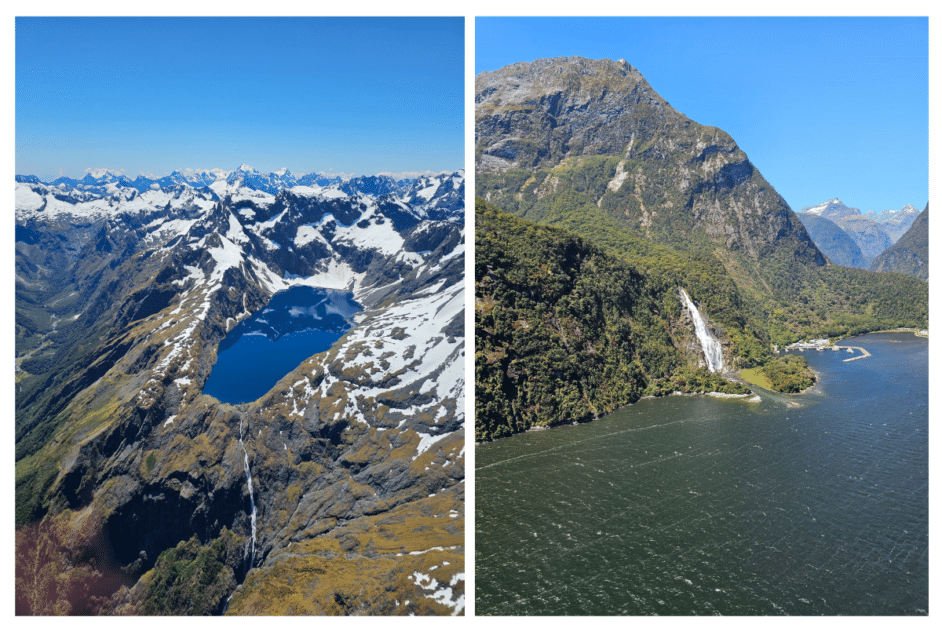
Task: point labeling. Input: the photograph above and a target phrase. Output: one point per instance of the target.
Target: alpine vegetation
(322, 484)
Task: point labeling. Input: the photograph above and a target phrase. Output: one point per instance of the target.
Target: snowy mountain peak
(833, 208)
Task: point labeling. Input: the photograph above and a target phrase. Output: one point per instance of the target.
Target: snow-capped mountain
(438, 196)
(375, 185)
(895, 222)
(123, 297)
(244, 176)
(832, 209)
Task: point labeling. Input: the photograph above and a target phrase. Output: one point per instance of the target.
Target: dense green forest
(566, 332)
(569, 328)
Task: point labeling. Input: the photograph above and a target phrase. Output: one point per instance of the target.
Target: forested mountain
(566, 332)
(136, 493)
(910, 254)
(589, 146)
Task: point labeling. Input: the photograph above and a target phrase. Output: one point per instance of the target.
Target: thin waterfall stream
(248, 476)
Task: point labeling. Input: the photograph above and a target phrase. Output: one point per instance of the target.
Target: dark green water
(696, 505)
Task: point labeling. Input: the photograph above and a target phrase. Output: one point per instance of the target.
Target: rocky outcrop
(662, 173)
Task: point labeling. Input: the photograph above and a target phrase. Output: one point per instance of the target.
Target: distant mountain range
(871, 233)
(246, 176)
(437, 195)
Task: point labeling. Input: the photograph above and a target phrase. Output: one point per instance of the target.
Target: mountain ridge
(122, 299)
(909, 254)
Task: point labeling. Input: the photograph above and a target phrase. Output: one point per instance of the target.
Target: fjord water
(259, 351)
(698, 505)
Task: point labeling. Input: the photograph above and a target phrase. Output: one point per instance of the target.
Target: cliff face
(662, 173)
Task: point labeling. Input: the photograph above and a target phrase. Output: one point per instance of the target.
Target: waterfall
(248, 475)
(711, 346)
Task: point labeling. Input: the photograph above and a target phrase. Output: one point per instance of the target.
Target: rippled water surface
(696, 505)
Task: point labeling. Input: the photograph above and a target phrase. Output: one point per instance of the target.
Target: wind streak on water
(573, 444)
(734, 508)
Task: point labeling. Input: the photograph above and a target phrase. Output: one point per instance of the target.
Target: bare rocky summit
(597, 127)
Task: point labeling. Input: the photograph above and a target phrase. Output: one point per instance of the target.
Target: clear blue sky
(355, 95)
(823, 107)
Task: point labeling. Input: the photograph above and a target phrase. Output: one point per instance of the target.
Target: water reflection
(259, 351)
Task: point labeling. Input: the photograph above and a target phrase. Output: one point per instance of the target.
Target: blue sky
(353, 95)
(823, 107)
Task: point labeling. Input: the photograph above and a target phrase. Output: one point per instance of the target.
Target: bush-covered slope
(566, 332)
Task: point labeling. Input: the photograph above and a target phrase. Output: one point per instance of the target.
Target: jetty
(863, 353)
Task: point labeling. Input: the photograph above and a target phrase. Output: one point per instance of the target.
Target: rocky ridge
(832, 240)
(662, 173)
(143, 286)
(910, 254)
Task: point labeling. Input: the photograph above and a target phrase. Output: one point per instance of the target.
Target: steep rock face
(869, 236)
(910, 254)
(664, 174)
(112, 426)
(832, 240)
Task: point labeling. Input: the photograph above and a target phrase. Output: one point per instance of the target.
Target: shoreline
(750, 397)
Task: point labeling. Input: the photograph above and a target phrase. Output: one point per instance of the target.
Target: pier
(864, 352)
(821, 344)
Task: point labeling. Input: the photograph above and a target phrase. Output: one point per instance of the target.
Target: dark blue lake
(811, 504)
(259, 351)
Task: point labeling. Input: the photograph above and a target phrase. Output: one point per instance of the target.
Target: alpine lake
(259, 351)
(808, 504)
